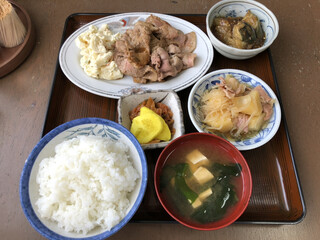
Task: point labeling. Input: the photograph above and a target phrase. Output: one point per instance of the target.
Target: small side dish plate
(169, 98)
(69, 58)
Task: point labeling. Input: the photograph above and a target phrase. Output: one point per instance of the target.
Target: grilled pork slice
(154, 50)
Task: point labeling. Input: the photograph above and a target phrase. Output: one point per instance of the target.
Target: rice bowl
(86, 183)
(94, 128)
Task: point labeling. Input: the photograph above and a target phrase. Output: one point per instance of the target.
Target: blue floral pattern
(211, 80)
(133, 90)
(96, 130)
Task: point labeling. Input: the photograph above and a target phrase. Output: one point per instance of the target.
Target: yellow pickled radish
(149, 126)
(146, 127)
(165, 134)
(145, 110)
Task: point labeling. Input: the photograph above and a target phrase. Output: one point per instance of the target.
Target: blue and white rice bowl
(239, 8)
(209, 81)
(29, 189)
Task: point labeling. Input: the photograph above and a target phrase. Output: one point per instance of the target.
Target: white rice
(86, 184)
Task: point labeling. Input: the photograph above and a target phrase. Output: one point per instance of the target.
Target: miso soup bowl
(239, 8)
(223, 147)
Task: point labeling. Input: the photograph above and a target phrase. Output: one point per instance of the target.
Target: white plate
(69, 58)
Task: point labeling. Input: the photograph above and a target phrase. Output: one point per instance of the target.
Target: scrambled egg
(97, 53)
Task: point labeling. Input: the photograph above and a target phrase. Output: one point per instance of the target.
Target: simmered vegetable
(240, 32)
(234, 110)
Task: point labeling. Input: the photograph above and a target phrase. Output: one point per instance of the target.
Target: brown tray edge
(304, 211)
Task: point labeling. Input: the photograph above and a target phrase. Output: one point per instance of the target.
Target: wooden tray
(276, 195)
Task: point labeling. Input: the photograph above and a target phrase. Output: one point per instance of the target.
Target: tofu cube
(196, 156)
(203, 175)
(202, 196)
(196, 159)
(205, 194)
(197, 203)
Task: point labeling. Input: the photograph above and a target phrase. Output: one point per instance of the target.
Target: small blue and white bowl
(239, 8)
(29, 189)
(210, 80)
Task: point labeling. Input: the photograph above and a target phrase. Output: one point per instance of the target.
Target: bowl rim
(238, 50)
(244, 166)
(25, 201)
(264, 84)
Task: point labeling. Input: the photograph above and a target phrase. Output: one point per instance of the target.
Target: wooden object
(11, 58)
(276, 195)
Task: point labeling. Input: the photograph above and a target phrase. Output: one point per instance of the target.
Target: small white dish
(29, 189)
(238, 8)
(210, 80)
(69, 58)
(170, 98)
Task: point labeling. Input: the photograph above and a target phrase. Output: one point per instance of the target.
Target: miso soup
(200, 183)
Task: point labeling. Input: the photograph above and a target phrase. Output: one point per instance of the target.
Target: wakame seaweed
(174, 179)
(216, 205)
